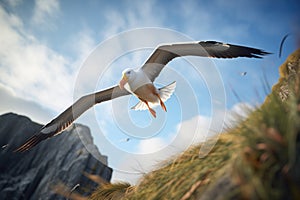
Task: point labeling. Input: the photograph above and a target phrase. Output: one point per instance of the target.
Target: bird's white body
(139, 84)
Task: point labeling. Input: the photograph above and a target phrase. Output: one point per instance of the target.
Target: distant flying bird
(243, 73)
(281, 44)
(125, 140)
(139, 82)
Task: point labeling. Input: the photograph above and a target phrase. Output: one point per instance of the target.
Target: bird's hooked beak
(123, 81)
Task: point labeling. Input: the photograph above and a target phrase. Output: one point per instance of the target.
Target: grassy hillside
(258, 159)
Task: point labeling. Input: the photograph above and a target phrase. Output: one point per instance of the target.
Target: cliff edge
(33, 174)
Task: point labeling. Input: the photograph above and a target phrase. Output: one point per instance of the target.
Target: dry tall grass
(258, 159)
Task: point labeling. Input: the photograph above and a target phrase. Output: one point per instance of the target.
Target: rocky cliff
(33, 174)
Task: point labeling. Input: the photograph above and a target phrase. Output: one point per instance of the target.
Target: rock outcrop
(62, 159)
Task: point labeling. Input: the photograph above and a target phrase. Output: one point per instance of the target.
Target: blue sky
(52, 52)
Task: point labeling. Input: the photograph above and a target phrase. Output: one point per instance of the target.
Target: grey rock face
(32, 174)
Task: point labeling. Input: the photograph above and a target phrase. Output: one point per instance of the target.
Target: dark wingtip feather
(234, 50)
(258, 53)
(264, 53)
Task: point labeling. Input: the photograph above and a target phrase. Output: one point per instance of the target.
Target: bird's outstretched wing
(66, 118)
(152, 67)
(165, 53)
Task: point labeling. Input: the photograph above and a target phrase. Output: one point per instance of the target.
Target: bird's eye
(128, 72)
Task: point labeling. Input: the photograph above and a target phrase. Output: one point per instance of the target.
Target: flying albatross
(139, 82)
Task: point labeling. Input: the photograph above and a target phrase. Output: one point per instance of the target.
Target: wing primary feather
(165, 53)
(223, 50)
(33, 141)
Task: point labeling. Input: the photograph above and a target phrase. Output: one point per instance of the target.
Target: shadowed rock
(64, 158)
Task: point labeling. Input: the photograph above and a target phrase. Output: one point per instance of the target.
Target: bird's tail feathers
(166, 92)
(140, 106)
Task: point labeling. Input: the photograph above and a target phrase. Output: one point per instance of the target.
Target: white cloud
(151, 145)
(238, 113)
(31, 69)
(134, 15)
(45, 10)
(187, 133)
(193, 131)
(201, 128)
(82, 43)
(11, 103)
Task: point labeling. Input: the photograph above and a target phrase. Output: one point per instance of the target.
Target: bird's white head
(127, 76)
